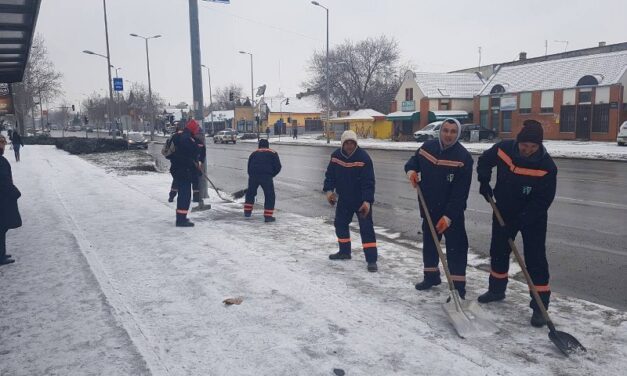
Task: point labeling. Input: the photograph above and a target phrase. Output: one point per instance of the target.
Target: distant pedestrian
(294, 132)
(9, 213)
(184, 168)
(350, 173)
(263, 165)
(16, 142)
(268, 132)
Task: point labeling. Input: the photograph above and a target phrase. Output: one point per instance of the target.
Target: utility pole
(197, 86)
(110, 106)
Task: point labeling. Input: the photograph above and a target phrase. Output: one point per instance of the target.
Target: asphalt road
(587, 235)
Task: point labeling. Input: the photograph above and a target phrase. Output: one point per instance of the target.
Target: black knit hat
(531, 132)
(264, 144)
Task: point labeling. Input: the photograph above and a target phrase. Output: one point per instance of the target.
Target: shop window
(601, 118)
(525, 103)
(483, 118)
(546, 102)
(495, 102)
(585, 97)
(567, 119)
(409, 94)
(507, 121)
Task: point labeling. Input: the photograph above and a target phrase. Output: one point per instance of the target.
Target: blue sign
(118, 84)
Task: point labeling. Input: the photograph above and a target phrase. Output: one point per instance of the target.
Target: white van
(430, 132)
(621, 139)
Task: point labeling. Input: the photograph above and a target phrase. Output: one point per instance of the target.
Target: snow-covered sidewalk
(104, 284)
(557, 149)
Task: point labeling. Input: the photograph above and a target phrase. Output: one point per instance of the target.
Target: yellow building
(366, 123)
(303, 113)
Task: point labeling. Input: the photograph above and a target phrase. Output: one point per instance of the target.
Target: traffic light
(73, 108)
(231, 96)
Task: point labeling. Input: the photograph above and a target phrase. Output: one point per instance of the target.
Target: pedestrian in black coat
(526, 180)
(443, 168)
(263, 165)
(16, 141)
(9, 213)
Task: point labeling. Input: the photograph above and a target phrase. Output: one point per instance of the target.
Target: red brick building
(574, 98)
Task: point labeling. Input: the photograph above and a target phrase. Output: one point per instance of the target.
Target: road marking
(592, 203)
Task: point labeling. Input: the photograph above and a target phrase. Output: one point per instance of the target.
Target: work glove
(364, 209)
(331, 197)
(486, 191)
(414, 178)
(443, 224)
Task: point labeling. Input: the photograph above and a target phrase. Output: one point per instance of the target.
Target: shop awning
(404, 115)
(17, 24)
(441, 115)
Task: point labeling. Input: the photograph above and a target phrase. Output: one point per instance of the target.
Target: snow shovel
(215, 189)
(564, 341)
(467, 318)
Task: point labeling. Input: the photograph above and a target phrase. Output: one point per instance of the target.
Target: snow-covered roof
(305, 105)
(559, 74)
(367, 114)
(220, 116)
(449, 85)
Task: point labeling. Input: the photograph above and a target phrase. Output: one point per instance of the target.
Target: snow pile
(105, 284)
(557, 149)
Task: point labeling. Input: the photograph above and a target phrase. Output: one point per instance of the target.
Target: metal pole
(118, 95)
(210, 99)
(151, 111)
(41, 112)
(252, 93)
(197, 84)
(328, 87)
(110, 105)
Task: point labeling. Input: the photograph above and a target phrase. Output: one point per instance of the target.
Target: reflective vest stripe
(519, 170)
(347, 164)
(440, 162)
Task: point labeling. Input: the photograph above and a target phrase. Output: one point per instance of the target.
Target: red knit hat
(193, 126)
(531, 132)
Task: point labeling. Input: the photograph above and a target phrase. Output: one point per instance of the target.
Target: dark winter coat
(183, 163)
(446, 176)
(525, 187)
(16, 140)
(9, 213)
(351, 177)
(264, 163)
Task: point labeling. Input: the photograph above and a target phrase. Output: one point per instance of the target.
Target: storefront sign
(407, 106)
(6, 100)
(508, 103)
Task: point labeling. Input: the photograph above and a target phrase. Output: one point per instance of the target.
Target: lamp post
(326, 123)
(118, 96)
(252, 92)
(150, 104)
(210, 97)
(88, 52)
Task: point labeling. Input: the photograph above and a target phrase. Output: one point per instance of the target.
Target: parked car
(621, 139)
(136, 141)
(430, 132)
(484, 133)
(225, 136)
(115, 131)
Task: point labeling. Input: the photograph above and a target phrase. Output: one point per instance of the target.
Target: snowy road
(105, 284)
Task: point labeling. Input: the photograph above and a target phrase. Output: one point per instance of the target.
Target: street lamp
(326, 124)
(252, 91)
(109, 66)
(210, 97)
(152, 127)
(118, 97)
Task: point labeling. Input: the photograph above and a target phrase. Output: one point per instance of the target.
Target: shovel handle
(434, 235)
(214, 187)
(523, 266)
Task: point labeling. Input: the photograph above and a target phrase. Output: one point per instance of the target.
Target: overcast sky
(435, 36)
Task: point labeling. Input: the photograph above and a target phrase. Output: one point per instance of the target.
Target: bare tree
(362, 74)
(41, 81)
(221, 99)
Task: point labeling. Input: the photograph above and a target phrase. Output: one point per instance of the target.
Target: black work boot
(269, 219)
(490, 296)
(186, 223)
(340, 256)
(537, 319)
(427, 283)
(6, 261)
(372, 267)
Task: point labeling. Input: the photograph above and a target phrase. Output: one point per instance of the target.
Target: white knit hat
(348, 136)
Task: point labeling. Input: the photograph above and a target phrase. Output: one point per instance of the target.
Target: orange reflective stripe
(369, 245)
(266, 150)
(436, 269)
(440, 162)
(543, 288)
(345, 240)
(458, 278)
(347, 164)
(519, 170)
(498, 275)
(181, 211)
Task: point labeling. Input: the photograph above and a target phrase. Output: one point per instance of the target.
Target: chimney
(602, 44)
(522, 56)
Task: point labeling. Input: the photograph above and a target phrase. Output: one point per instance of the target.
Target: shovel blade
(201, 207)
(468, 319)
(239, 194)
(566, 343)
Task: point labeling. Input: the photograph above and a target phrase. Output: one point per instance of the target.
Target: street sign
(118, 84)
